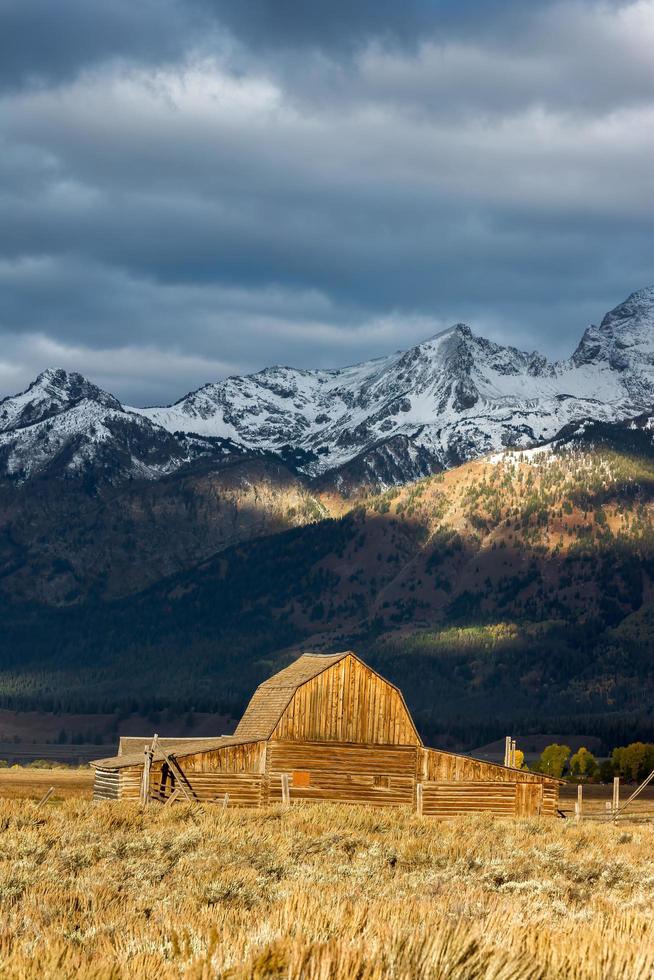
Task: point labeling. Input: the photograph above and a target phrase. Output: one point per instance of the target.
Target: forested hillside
(514, 589)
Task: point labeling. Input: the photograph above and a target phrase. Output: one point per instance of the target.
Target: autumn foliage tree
(634, 761)
(553, 759)
(583, 763)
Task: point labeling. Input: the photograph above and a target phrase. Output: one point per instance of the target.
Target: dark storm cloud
(45, 41)
(201, 187)
(49, 41)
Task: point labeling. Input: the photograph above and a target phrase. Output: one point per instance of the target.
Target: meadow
(111, 891)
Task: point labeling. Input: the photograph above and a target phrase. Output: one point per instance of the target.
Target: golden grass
(24, 783)
(108, 892)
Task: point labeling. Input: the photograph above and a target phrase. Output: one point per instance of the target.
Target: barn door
(528, 799)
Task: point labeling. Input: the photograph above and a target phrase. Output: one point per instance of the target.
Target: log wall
(106, 785)
(347, 702)
(130, 783)
(448, 799)
(242, 789)
(377, 775)
(235, 770)
(455, 783)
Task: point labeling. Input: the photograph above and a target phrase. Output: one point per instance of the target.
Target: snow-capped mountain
(452, 398)
(63, 423)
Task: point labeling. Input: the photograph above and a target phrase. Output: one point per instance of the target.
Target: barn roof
(178, 749)
(273, 696)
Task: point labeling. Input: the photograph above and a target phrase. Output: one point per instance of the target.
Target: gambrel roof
(268, 706)
(272, 697)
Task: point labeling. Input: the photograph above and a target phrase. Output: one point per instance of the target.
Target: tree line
(632, 762)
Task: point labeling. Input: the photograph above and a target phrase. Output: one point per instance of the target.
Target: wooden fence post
(616, 794)
(580, 802)
(173, 796)
(286, 792)
(419, 799)
(44, 799)
(145, 775)
(148, 751)
(225, 801)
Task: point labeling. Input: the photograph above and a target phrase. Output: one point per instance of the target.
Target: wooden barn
(327, 727)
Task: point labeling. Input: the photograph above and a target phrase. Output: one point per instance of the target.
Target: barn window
(382, 782)
(301, 777)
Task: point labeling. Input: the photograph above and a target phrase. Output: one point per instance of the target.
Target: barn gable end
(329, 698)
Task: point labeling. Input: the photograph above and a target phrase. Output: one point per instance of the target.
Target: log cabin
(326, 728)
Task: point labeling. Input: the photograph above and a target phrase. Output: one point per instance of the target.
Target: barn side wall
(378, 775)
(457, 784)
(235, 771)
(347, 702)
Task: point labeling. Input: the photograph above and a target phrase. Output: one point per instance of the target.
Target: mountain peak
(625, 337)
(637, 308)
(453, 397)
(53, 391)
(71, 386)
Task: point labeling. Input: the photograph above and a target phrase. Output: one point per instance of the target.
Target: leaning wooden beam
(45, 798)
(171, 799)
(635, 793)
(184, 784)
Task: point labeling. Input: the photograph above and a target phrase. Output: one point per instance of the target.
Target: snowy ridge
(451, 398)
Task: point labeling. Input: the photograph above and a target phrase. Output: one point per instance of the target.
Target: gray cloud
(218, 185)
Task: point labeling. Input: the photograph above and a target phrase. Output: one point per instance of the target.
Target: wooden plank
(580, 803)
(346, 701)
(44, 799)
(184, 784)
(615, 803)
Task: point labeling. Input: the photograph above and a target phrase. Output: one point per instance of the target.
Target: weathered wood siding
(236, 770)
(241, 788)
(106, 785)
(440, 766)
(457, 784)
(379, 775)
(130, 782)
(449, 799)
(249, 757)
(347, 702)
(550, 798)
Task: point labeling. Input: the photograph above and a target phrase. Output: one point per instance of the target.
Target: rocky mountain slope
(452, 398)
(177, 555)
(519, 586)
(384, 422)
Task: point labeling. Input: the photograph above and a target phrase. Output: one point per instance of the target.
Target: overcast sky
(195, 188)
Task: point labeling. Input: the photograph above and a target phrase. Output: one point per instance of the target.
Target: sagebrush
(110, 892)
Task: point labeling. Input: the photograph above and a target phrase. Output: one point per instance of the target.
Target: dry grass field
(109, 892)
(23, 783)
